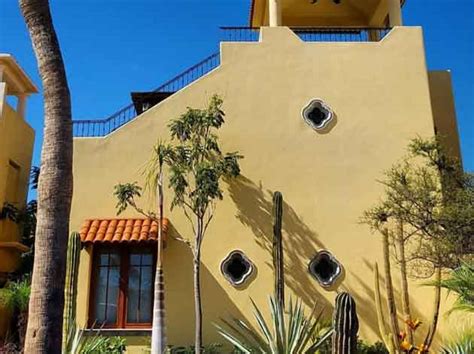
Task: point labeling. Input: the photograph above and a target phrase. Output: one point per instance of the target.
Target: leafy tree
(45, 319)
(426, 218)
(196, 167)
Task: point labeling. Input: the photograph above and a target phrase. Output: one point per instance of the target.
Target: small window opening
(317, 114)
(325, 268)
(236, 267)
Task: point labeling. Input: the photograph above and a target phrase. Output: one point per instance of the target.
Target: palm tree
(44, 332)
(155, 181)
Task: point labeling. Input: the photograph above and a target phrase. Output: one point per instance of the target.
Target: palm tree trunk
(405, 290)
(392, 308)
(197, 287)
(45, 319)
(158, 338)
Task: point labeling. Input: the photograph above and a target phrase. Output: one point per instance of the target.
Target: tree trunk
(437, 302)
(158, 337)
(197, 287)
(45, 319)
(392, 308)
(405, 290)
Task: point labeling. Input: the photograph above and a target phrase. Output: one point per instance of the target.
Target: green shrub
(208, 349)
(376, 348)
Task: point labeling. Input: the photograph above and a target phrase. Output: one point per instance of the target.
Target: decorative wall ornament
(237, 268)
(325, 268)
(317, 114)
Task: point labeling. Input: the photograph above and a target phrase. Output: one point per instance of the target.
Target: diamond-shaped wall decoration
(317, 114)
(237, 268)
(325, 268)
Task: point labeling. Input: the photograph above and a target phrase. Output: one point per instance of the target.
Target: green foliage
(196, 162)
(433, 199)
(376, 348)
(125, 194)
(208, 349)
(463, 344)
(16, 295)
(290, 332)
(78, 343)
(461, 282)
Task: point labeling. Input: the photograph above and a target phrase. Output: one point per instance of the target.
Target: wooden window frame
(122, 302)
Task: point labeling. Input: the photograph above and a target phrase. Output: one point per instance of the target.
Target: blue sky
(113, 47)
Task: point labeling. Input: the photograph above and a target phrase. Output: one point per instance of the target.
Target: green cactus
(346, 325)
(278, 248)
(70, 289)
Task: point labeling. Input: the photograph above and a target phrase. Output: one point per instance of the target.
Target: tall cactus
(346, 325)
(278, 249)
(70, 290)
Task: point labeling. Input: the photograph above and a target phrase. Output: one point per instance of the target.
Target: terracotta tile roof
(121, 230)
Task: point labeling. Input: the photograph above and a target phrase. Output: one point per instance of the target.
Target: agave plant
(288, 333)
(464, 344)
(78, 343)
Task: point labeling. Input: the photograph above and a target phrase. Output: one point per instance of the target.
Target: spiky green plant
(461, 282)
(287, 333)
(463, 344)
(78, 343)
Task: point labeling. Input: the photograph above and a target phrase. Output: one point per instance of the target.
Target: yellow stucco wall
(380, 94)
(16, 149)
(444, 110)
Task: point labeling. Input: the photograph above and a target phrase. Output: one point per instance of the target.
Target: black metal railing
(342, 34)
(102, 127)
(240, 34)
(310, 34)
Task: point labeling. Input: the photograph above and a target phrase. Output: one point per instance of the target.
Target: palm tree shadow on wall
(254, 210)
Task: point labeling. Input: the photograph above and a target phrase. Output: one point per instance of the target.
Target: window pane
(133, 297)
(101, 295)
(146, 291)
(107, 287)
(140, 287)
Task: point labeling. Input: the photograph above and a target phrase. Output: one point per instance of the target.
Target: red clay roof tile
(121, 230)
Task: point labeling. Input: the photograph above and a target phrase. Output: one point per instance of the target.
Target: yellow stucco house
(16, 149)
(320, 97)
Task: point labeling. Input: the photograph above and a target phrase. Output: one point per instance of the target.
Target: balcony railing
(310, 34)
(102, 127)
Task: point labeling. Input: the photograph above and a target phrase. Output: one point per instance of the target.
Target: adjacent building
(16, 149)
(320, 98)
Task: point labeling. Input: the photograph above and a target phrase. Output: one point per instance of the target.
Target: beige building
(320, 99)
(16, 149)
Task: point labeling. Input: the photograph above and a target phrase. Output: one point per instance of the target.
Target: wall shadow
(364, 297)
(179, 297)
(254, 210)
